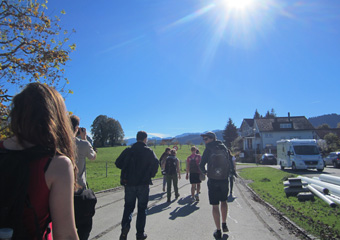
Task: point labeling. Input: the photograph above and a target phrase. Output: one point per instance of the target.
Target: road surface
(185, 219)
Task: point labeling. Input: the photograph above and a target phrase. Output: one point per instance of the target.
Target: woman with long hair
(39, 118)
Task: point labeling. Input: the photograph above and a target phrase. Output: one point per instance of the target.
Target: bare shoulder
(60, 170)
(60, 166)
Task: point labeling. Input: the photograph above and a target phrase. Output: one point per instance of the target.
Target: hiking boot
(197, 198)
(123, 235)
(224, 227)
(217, 234)
(141, 237)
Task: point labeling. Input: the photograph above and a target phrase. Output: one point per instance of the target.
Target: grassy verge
(102, 173)
(315, 217)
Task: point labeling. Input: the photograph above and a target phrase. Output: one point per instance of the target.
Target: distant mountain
(193, 138)
(186, 134)
(331, 119)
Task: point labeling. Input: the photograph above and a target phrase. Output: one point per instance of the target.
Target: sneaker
(217, 234)
(197, 198)
(142, 237)
(224, 227)
(123, 235)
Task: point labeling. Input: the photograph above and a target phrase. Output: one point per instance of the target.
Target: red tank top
(38, 194)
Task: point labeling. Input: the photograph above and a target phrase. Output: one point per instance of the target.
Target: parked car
(333, 159)
(268, 158)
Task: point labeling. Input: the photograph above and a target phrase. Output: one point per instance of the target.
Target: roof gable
(283, 124)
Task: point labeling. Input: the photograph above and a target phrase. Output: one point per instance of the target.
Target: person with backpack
(37, 167)
(172, 173)
(162, 164)
(219, 164)
(193, 173)
(139, 164)
(84, 150)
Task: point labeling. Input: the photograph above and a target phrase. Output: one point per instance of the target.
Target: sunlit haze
(171, 67)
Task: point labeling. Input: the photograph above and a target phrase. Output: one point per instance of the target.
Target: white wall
(273, 137)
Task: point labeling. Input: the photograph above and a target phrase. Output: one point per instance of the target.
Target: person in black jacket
(139, 164)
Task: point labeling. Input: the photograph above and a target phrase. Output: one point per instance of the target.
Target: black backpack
(14, 179)
(219, 164)
(193, 165)
(171, 166)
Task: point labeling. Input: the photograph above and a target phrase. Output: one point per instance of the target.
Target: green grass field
(315, 217)
(102, 173)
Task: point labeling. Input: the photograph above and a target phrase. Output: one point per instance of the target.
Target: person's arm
(120, 160)
(204, 161)
(187, 168)
(155, 164)
(178, 169)
(91, 154)
(60, 180)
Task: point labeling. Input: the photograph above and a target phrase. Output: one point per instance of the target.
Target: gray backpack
(218, 164)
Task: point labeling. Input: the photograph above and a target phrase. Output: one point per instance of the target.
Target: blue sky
(174, 66)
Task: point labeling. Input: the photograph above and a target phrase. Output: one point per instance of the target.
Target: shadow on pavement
(159, 208)
(188, 208)
(225, 236)
(231, 198)
(156, 196)
(185, 200)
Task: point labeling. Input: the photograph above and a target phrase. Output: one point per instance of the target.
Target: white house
(260, 135)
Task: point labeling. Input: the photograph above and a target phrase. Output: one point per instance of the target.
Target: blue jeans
(131, 194)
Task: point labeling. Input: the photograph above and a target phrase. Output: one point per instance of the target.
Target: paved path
(184, 219)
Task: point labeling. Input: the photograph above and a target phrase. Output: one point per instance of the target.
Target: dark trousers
(84, 229)
(172, 178)
(132, 193)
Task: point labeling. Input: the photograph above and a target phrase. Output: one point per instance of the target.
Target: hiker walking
(193, 173)
(84, 150)
(42, 176)
(139, 164)
(162, 164)
(172, 173)
(232, 174)
(219, 166)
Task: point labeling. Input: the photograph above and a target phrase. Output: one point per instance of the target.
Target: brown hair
(39, 116)
(75, 120)
(193, 148)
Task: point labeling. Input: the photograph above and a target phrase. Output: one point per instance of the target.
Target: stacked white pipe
(328, 186)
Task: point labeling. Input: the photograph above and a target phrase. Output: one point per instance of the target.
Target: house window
(249, 143)
(285, 125)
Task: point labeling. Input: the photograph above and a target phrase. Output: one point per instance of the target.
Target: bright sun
(238, 4)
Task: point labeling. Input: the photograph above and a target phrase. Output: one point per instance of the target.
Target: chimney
(288, 116)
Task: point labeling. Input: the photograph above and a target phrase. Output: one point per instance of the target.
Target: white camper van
(299, 154)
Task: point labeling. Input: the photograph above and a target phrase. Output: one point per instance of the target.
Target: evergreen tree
(324, 126)
(270, 114)
(257, 115)
(230, 133)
